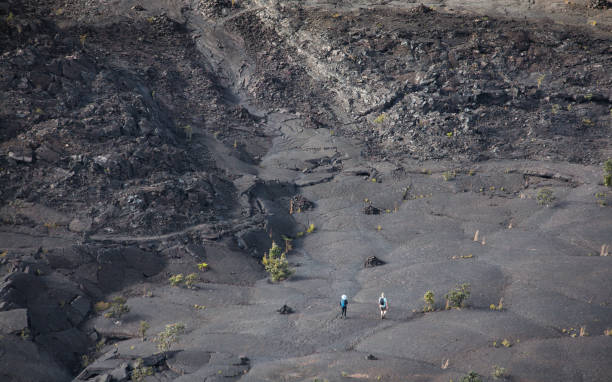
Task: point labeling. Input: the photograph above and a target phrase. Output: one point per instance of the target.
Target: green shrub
(471, 377)
(117, 308)
(276, 264)
(608, 173)
(545, 197)
(169, 336)
(459, 295)
(429, 300)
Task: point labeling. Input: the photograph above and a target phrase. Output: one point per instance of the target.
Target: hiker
(343, 305)
(383, 305)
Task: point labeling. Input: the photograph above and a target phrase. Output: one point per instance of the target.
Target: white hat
(344, 297)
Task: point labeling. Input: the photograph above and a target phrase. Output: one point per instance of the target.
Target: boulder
(285, 310)
(13, 321)
(373, 261)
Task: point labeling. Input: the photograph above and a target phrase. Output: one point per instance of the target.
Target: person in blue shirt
(343, 305)
(383, 305)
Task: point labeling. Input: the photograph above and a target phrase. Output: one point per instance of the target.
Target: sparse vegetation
(449, 175)
(169, 336)
(176, 280)
(471, 377)
(601, 199)
(545, 197)
(499, 372)
(191, 280)
(429, 300)
(142, 329)
(118, 308)
(25, 334)
(140, 371)
(100, 345)
(457, 296)
(202, 266)
(276, 264)
(380, 118)
(607, 167)
(311, 228)
(499, 306)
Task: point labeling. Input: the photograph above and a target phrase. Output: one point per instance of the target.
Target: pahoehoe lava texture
(387, 146)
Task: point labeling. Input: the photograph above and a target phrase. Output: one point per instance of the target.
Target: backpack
(382, 302)
(343, 303)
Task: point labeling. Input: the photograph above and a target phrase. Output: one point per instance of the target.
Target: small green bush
(117, 308)
(459, 295)
(429, 300)
(499, 372)
(175, 280)
(471, 377)
(276, 264)
(202, 266)
(169, 336)
(191, 280)
(449, 175)
(545, 197)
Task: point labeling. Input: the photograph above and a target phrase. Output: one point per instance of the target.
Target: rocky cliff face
(139, 139)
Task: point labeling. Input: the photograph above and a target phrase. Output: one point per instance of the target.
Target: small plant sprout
(429, 300)
(118, 308)
(169, 336)
(202, 266)
(458, 295)
(191, 280)
(380, 118)
(176, 280)
(311, 228)
(545, 197)
(142, 329)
